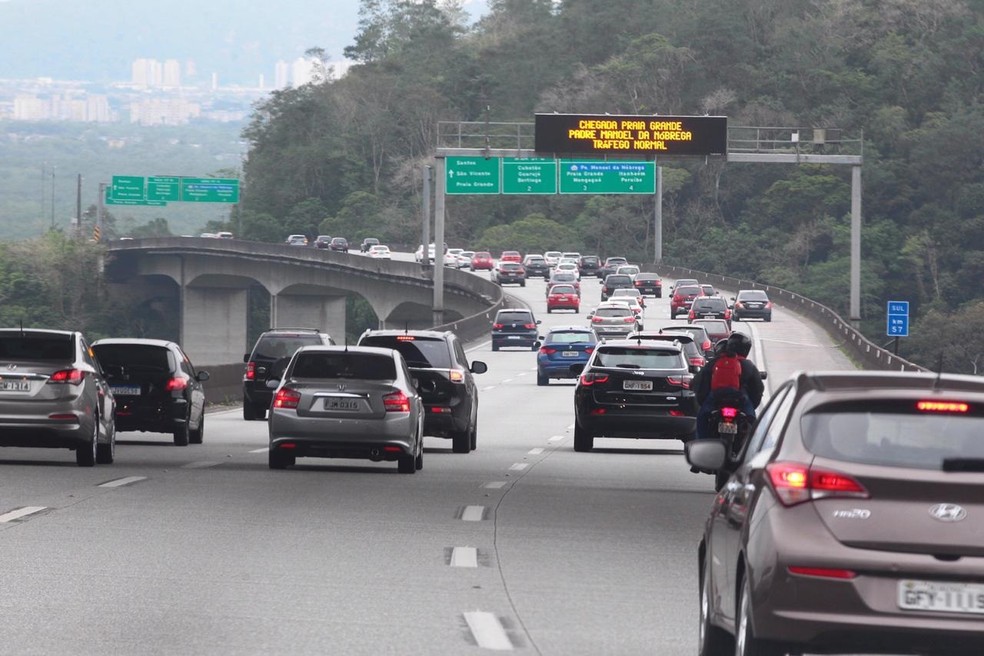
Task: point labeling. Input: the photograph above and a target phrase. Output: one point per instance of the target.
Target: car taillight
(547, 350)
(396, 402)
(729, 413)
(739, 305)
(822, 572)
(727, 313)
(638, 283)
(176, 384)
(596, 319)
(795, 483)
(589, 350)
(497, 326)
(68, 377)
(629, 319)
(286, 398)
(590, 379)
(250, 371)
(768, 305)
(949, 407)
(706, 345)
(456, 376)
(681, 381)
(698, 361)
(529, 326)
(691, 316)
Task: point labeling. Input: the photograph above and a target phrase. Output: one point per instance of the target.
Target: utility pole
(78, 206)
(52, 196)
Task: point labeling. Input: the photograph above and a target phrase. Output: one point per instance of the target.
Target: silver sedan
(347, 402)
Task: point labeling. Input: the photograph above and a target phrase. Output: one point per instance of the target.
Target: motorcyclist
(708, 390)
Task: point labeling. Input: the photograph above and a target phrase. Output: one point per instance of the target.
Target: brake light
(942, 406)
(590, 379)
(629, 319)
(796, 483)
(456, 376)
(706, 345)
(286, 398)
(729, 413)
(68, 377)
(822, 572)
(697, 361)
(682, 381)
(691, 315)
(405, 338)
(739, 305)
(396, 402)
(497, 326)
(589, 350)
(596, 319)
(529, 326)
(250, 371)
(176, 384)
(727, 313)
(547, 350)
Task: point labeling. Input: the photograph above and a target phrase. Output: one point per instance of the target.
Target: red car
(563, 297)
(482, 260)
(683, 298)
(510, 256)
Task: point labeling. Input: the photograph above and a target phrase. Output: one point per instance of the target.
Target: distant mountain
(97, 40)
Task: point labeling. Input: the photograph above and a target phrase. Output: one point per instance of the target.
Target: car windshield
(344, 364)
(570, 336)
(618, 280)
(895, 433)
(637, 358)
(124, 356)
(419, 352)
(55, 348)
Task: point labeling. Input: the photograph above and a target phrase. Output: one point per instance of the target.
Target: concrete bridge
(209, 281)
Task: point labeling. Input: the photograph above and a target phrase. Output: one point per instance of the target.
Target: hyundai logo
(11, 367)
(342, 386)
(948, 512)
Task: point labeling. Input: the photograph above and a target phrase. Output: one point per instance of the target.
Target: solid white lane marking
(204, 464)
(488, 631)
(120, 482)
(557, 438)
(535, 452)
(519, 466)
(571, 427)
(473, 513)
(20, 512)
(263, 450)
(495, 485)
(464, 557)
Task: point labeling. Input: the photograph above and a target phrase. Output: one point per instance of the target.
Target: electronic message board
(602, 134)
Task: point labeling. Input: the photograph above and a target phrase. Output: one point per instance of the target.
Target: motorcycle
(732, 426)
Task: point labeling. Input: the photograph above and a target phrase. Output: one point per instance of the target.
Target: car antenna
(939, 373)
(406, 327)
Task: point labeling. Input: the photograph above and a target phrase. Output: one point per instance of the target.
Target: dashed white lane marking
(205, 464)
(263, 450)
(488, 631)
(464, 557)
(495, 485)
(571, 427)
(535, 452)
(120, 482)
(519, 466)
(557, 438)
(523, 374)
(508, 380)
(14, 515)
(473, 513)
(486, 389)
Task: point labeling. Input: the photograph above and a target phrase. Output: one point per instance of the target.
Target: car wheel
(549, 310)
(106, 453)
(746, 644)
(280, 460)
(461, 441)
(473, 438)
(495, 347)
(711, 640)
(583, 440)
(196, 436)
(249, 412)
(542, 380)
(181, 434)
(768, 319)
(85, 454)
(406, 464)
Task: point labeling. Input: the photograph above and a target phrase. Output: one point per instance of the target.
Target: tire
(542, 381)
(473, 438)
(461, 442)
(583, 440)
(85, 454)
(249, 412)
(406, 465)
(280, 460)
(495, 347)
(196, 436)
(522, 284)
(182, 435)
(549, 310)
(746, 642)
(711, 640)
(106, 453)
(534, 347)
(768, 319)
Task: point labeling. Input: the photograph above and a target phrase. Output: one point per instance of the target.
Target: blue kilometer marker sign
(897, 319)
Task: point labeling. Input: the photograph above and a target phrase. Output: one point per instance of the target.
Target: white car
(552, 258)
(419, 254)
(464, 259)
(629, 270)
(380, 252)
(574, 256)
(569, 267)
(630, 293)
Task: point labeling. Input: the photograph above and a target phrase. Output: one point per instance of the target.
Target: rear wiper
(628, 365)
(963, 464)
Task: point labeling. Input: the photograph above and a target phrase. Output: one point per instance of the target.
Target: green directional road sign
(529, 175)
(611, 177)
(127, 187)
(110, 200)
(472, 175)
(164, 187)
(210, 190)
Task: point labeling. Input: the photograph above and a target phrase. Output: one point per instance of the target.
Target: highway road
(522, 546)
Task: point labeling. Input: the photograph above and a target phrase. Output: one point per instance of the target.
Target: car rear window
(563, 276)
(124, 356)
(636, 358)
(570, 336)
(562, 289)
(614, 312)
(618, 280)
(345, 364)
(511, 266)
(54, 348)
(274, 347)
(518, 316)
(629, 292)
(419, 352)
(753, 295)
(710, 304)
(897, 433)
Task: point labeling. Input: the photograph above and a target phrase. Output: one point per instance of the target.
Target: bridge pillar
(326, 313)
(213, 325)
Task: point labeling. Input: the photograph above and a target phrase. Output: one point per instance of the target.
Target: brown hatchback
(853, 523)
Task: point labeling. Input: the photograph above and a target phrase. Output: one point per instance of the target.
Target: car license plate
(727, 428)
(338, 403)
(707, 316)
(126, 390)
(570, 354)
(941, 597)
(638, 385)
(15, 386)
(515, 337)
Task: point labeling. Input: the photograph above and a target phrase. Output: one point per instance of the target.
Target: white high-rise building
(281, 75)
(172, 73)
(302, 71)
(147, 73)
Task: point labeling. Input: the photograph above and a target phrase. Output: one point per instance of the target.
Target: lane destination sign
(637, 135)
(472, 175)
(529, 175)
(159, 190)
(595, 177)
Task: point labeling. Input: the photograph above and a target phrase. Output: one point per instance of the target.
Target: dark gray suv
(267, 361)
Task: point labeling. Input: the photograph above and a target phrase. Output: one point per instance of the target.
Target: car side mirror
(708, 455)
(538, 322)
(202, 376)
(576, 369)
(537, 345)
(601, 282)
(478, 367)
(763, 374)
(246, 357)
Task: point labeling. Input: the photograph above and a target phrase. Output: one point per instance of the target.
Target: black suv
(267, 361)
(634, 388)
(589, 265)
(536, 266)
(710, 307)
(444, 379)
(611, 265)
(368, 243)
(613, 282)
(515, 327)
(156, 387)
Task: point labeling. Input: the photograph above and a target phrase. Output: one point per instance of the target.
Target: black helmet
(720, 346)
(739, 344)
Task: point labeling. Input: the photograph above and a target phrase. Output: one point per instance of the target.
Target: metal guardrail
(856, 345)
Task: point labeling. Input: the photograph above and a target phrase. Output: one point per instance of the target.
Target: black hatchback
(589, 265)
(157, 389)
(267, 361)
(515, 327)
(445, 381)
